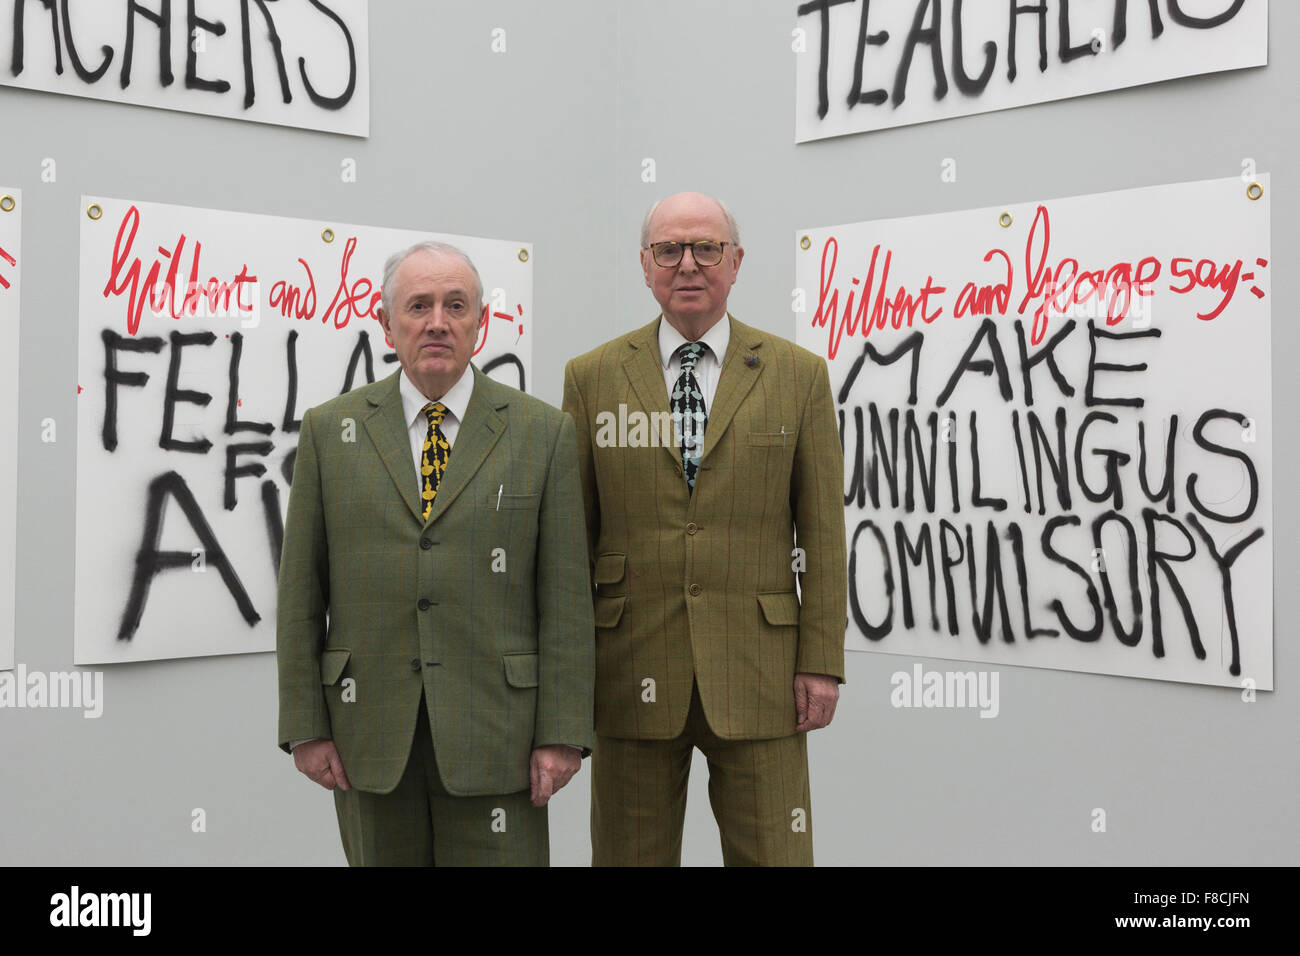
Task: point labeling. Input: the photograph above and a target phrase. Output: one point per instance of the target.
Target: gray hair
(731, 223)
(437, 249)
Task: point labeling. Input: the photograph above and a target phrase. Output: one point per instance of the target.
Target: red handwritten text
(216, 293)
(291, 300)
(901, 308)
(350, 299)
(1064, 288)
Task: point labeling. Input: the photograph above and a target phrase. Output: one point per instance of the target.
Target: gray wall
(1186, 774)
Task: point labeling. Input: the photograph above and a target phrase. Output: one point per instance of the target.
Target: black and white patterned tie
(689, 415)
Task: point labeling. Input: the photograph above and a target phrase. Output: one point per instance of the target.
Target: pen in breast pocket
(782, 436)
(500, 488)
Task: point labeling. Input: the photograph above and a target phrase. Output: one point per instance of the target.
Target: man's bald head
(688, 200)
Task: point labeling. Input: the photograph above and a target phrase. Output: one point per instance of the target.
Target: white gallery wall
(561, 140)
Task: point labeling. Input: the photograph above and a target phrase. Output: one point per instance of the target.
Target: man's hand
(814, 700)
(550, 768)
(319, 760)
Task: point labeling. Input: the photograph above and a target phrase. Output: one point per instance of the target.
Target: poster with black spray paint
(864, 65)
(1057, 427)
(11, 222)
(303, 63)
(204, 336)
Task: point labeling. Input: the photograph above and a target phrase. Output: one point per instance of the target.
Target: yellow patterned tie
(433, 460)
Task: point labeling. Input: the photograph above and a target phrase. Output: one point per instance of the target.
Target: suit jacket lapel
(388, 430)
(479, 432)
(646, 373)
(734, 382)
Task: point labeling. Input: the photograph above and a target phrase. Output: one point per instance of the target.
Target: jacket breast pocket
(505, 502)
(779, 439)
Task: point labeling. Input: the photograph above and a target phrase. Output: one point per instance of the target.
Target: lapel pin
(751, 361)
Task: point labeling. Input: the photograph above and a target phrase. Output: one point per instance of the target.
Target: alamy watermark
(214, 299)
(923, 688)
(80, 689)
(76, 908)
(637, 429)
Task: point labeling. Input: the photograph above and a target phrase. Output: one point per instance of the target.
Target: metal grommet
(523, 255)
(94, 210)
(1254, 191)
(805, 243)
(327, 234)
(7, 203)
(1004, 220)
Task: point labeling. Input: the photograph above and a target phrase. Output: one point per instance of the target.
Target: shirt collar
(456, 400)
(717, 338)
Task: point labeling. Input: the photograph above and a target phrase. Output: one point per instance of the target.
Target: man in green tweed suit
(697, 531)
(434, 630)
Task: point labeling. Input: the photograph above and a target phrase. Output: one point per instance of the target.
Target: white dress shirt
(417, 424)
(709, 366)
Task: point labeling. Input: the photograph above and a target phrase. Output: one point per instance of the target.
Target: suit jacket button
(425, 604)
(415, 665)
(692, 528)
(426, 544)
(677, 470)
(695, 590)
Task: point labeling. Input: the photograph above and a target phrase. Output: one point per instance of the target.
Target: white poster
(11, 221)
(874, 64)
(1057, 427)
(204, 335)
(293, 62)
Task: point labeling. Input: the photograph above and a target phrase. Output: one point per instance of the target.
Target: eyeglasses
(706, 252)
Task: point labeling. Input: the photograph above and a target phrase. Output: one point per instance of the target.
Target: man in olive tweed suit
(434, 629)
(701, 638)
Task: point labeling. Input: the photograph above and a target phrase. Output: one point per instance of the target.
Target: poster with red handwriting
(1057, 426)
(11, 222)
(204, 336)
(302, 63)
(865, 65)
